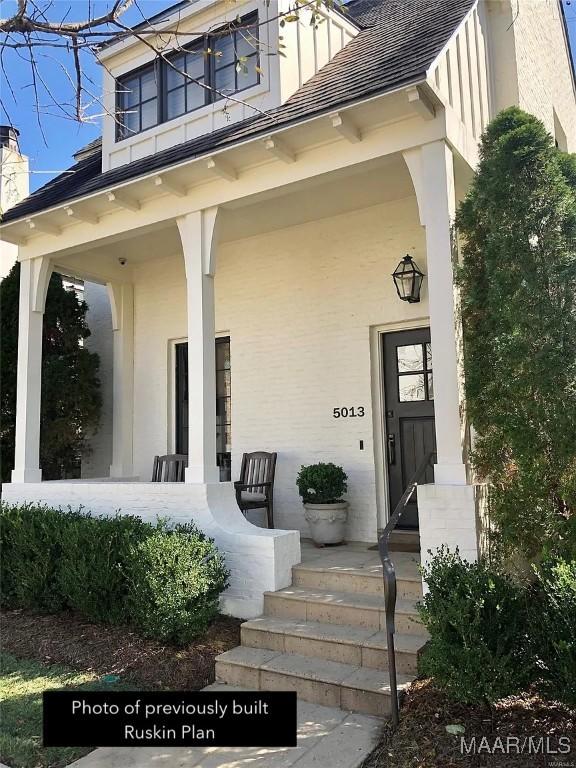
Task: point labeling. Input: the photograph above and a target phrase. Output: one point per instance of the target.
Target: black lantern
(408, 280)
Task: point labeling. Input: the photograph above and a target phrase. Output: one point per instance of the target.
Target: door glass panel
(411, 388)
(410, 358)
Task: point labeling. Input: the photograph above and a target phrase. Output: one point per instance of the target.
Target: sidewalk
(327, 738)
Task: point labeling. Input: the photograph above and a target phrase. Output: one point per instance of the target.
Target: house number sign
(355, 411)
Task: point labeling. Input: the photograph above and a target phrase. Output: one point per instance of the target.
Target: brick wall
(298, 304)
(531, 67)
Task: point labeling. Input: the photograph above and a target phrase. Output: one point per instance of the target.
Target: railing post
(389, 577)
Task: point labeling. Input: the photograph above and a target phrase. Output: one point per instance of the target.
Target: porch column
(122, 308)
(34, 278)
(197, 232)
(431, 168)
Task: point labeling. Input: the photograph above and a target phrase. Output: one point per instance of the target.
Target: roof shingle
(398, 42)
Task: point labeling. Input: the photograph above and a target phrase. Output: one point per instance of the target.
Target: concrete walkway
(327, 738)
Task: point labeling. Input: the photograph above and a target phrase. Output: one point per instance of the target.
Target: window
(236, 58)
(223, 404)
(138, 101)
(415, 372)
(226, 61)
(182, 94)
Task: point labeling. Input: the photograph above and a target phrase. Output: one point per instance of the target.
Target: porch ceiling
(349, 189)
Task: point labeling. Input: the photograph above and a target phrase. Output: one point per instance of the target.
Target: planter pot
(327, 522)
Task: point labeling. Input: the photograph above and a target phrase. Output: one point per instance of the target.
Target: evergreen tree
(518, 281)
(71, 398)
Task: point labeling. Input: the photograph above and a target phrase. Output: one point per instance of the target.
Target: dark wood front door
(409, 413)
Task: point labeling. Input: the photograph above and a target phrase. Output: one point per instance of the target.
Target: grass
(21, 686)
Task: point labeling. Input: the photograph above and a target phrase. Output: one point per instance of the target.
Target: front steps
(324, 637)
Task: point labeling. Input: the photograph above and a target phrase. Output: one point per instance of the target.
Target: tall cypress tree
(518, 282)
(71, 397)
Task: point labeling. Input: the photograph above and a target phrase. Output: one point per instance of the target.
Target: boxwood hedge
(164, 581)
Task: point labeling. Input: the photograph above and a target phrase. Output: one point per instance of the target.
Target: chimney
(9, 137)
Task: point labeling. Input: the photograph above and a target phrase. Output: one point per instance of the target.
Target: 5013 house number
(355, 411)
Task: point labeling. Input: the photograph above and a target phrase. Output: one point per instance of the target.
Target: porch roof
(399, 42)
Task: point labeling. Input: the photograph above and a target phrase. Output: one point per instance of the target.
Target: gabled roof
(398, 42)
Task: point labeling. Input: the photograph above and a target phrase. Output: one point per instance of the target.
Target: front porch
(299, 279)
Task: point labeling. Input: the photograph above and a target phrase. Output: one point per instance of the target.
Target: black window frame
(153, 66)
(211, 68)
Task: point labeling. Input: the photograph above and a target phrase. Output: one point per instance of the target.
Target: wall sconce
(408, 280)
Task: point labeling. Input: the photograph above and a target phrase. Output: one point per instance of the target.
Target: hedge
(164, 581)
(492, 637)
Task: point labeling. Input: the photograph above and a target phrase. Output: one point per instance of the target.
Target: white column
(122, 306)
(431, 167)
(197, 232)
(34, 279)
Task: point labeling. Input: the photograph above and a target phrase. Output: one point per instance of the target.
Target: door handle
(391, 449)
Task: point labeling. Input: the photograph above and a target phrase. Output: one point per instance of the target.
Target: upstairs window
(236, 58)
(138, 101)
(219, 64)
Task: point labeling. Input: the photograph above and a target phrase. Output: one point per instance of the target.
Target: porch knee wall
(259, 560)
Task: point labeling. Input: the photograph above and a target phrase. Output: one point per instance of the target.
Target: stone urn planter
(321, 487)
(327, 522)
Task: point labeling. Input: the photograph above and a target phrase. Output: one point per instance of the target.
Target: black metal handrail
(389, 575)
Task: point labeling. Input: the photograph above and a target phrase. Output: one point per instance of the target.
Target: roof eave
(342, 107)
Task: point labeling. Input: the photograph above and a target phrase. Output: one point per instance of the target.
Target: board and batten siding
(298, 304)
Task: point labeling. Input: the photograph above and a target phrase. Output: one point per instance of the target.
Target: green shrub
(321, 483)
(477, 619)
(166, 582)
(553, 629)
(95, 553)
(517, 229)
(30, 550)
(174, 579)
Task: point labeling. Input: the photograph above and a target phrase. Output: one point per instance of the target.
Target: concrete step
(358, 646)
(329, 683)
(357, 610)
(361, 580)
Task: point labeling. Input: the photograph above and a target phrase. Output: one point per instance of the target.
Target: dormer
(150, 106)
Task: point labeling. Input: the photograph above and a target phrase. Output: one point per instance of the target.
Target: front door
(409, 413)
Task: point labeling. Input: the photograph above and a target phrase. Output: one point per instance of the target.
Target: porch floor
(356, 558)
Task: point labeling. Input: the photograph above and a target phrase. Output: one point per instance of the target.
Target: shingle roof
(398, 42)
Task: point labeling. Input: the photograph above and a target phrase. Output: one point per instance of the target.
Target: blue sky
(50, 147)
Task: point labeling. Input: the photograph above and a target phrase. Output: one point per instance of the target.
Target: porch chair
(255, 489)
(169, 468)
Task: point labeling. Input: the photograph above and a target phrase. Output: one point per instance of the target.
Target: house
(245, 239)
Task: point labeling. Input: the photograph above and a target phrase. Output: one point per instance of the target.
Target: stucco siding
(298, 304)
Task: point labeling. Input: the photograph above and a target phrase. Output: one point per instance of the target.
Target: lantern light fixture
(408, 280)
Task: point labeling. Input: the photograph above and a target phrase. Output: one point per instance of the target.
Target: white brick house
(275, 220)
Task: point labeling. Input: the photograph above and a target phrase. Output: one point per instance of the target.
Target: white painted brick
(259, 560)
(298, 304)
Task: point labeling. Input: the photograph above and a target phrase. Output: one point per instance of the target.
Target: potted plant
(321, 487)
